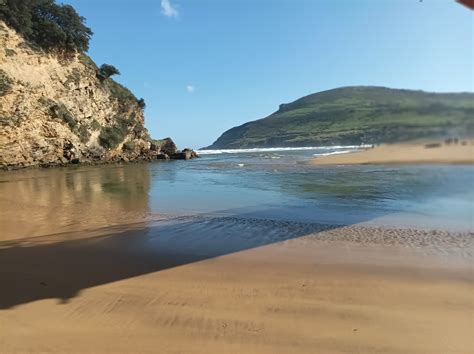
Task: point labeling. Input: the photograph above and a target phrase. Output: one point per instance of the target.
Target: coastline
(113, 161)
(110, 259)
(336, 289)
(405, 153)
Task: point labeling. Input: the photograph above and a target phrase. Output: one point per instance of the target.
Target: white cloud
(190, 88)
(168, 9)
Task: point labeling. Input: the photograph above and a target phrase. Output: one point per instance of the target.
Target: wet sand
(227, 285)
(414, 153)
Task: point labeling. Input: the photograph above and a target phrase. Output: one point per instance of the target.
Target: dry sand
(334, 290)
(404, 154)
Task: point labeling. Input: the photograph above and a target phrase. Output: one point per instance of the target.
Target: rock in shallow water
(186, 154)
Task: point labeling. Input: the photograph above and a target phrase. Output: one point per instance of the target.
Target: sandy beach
(162, 288)
(89, 264)
(409, 153)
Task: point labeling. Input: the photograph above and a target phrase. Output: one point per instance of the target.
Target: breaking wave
(346, 148)
(336, 152)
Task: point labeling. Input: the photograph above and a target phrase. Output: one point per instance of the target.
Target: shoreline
(436, 153)
(105, 162)
(97, 163)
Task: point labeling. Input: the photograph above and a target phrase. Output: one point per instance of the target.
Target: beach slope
(408, 153)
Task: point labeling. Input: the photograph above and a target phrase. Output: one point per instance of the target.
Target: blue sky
(204, 66)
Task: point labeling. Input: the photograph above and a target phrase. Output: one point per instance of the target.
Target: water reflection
(39, 202)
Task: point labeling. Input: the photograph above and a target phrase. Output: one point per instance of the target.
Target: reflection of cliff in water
(39, 202)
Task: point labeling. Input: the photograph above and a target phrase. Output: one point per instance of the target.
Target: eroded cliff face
(56, 111)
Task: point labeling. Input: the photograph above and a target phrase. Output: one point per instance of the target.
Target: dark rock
(194, 154)
(162, 157)
(181, 156)
(186, 154)
(165, 146)
(95, 154)
(128, 146)
(168, 147)
(70, 153)
(432, 146)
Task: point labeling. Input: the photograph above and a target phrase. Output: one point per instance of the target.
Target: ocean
(264, 184)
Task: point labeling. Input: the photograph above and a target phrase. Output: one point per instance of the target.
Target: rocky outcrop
(186, 154)
(166, 147)
(58, 111)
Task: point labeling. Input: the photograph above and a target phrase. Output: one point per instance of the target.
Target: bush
(58, 110)
(95, 125)
(30, 47)
(5, 83)
(83, 133)
(141, 103)
(110, 137)
(9, 120)
(9, 52)
(47, 24)
(106, 71)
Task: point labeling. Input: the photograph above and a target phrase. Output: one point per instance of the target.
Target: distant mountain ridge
(357, 115)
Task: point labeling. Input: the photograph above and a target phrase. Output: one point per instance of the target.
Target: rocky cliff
(56, 110)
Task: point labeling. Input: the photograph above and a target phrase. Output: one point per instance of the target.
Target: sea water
(264, 184)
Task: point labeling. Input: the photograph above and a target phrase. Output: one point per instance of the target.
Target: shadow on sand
(38, 268)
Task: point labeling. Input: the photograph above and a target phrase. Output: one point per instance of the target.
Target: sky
(204, 66)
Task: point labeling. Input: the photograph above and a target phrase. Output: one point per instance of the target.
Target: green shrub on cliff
(84, 134)
(95, 125)
(141, 103)
(49, 25)
(5, 83)
(110, 137)
(106, 71)
(58, 110)
(9, 52)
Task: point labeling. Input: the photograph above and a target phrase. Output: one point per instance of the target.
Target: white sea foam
(336, 152)
(239, 151)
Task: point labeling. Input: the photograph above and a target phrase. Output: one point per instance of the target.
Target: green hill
(357, 115)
